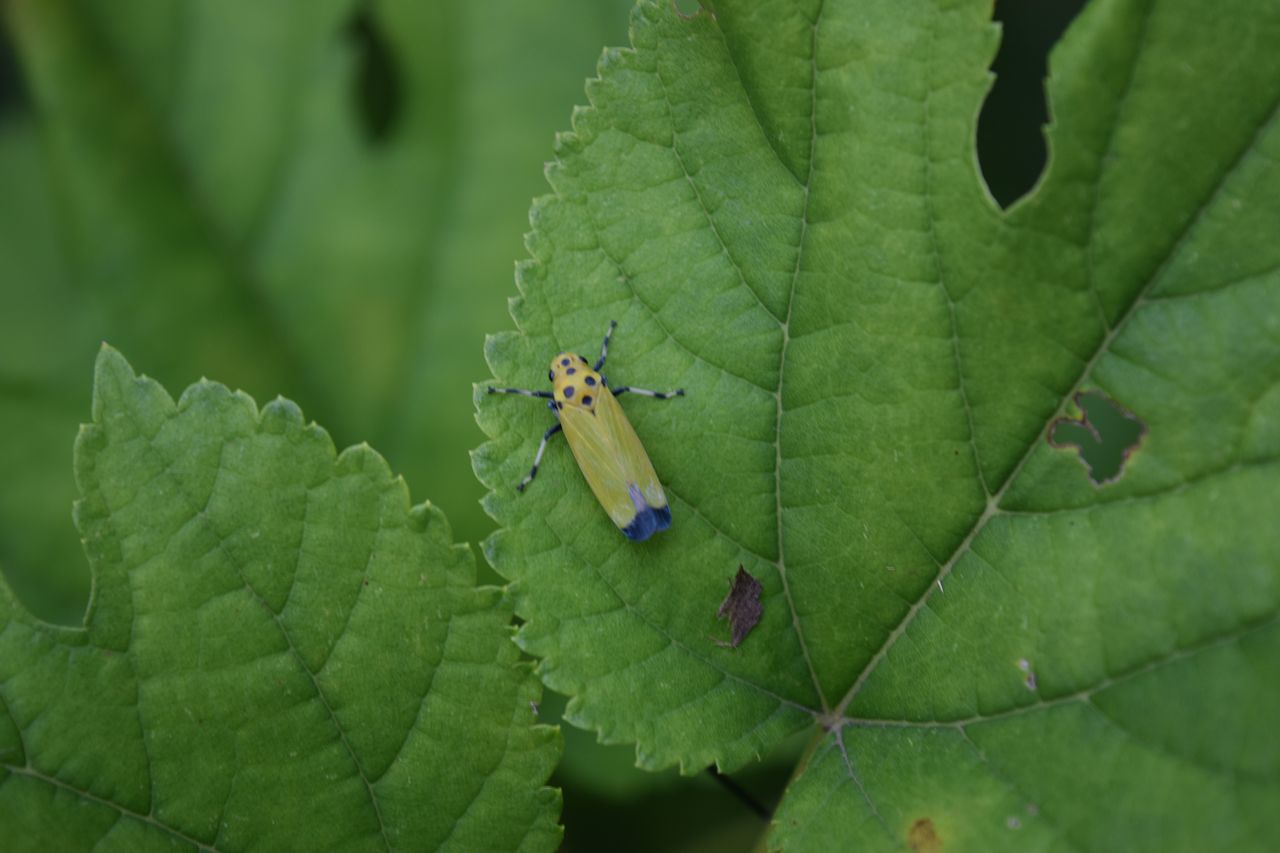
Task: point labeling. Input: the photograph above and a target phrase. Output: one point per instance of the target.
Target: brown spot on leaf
(922, 837)
(741, 606)
(1105, 435)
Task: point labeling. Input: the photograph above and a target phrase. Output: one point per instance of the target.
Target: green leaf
(780, 203)
(197, 184)
(280, 652)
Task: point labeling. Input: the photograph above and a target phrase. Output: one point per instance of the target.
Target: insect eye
(551, 376)
(581, 359)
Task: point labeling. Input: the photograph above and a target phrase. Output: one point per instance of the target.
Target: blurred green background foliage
(324, 200)
(319, 200)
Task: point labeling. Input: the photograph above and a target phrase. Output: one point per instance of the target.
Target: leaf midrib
(782, 358)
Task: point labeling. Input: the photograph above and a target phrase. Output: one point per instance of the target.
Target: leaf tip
(490, 545)
(116, 385)
(110, 367)
(280, 415)
(427, 515)
(479, 390)
(364, 460)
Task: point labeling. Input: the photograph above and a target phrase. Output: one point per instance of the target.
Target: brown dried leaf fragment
(741, 606)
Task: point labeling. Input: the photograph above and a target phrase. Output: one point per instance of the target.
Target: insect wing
(616, 466)
(636, 464)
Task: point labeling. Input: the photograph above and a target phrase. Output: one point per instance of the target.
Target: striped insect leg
(604, 347)
(545, 395)
(645, 392)
(537, 459)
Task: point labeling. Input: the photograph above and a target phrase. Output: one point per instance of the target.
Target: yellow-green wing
(612, 458)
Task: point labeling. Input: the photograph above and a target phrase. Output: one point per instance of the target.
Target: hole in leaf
(377, 81)
(1104, 434)
(1011, 145)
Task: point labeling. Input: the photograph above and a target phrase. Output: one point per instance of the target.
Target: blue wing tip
(647, 522)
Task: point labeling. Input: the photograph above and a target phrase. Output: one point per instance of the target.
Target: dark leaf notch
(1105, 434)
(741, 606)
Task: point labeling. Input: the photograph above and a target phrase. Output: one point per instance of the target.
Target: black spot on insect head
(586, 401)
(568, 392)
(590, 380)
(571, 371)
(564, 362)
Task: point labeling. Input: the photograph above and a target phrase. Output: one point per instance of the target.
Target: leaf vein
(1104, 346)
(661, 631)
(702, 204)
(719, 531)
(1000, 777)
(625, 278)
(1104, 161)
(1234, 775)
(53, 781)
(852, 773)
(1265, 622)
(276, 619)
(782, 358)
(931, 216)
